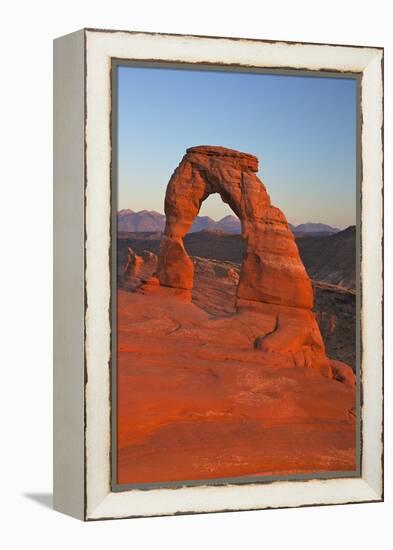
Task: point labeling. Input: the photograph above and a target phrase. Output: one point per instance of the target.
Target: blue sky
(302, 129)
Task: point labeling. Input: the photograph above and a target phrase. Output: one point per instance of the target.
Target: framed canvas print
(218, 274)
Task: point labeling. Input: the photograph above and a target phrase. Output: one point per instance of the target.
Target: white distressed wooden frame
(82, 108)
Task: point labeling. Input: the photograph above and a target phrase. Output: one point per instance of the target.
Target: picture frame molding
(82, 366)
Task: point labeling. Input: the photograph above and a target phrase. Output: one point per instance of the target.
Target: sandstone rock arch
(272, 271)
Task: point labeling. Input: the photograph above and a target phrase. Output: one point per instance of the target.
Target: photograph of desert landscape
(236, 276)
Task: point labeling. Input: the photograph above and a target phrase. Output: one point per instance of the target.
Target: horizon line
(234, 216)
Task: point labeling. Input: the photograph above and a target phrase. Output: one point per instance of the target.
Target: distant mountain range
(314, 228)
(151, 221)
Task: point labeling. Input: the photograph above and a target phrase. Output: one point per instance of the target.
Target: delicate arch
(272, 271)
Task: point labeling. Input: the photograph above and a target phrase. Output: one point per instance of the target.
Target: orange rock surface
(198, 400)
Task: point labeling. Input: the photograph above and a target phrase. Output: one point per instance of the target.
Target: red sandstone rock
(153, 281)
(134, 264)
(175, 269)
(141, 267)
(343, 373)
(295, 333)
(272, 270)
(197, 401)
